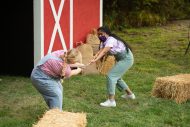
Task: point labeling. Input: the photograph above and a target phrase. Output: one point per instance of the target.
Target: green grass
(158, 51)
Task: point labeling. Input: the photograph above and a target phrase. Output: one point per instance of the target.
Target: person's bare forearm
(97, 53)
(76, 65)
(102, 53)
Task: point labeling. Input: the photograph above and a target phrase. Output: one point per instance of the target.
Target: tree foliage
(135, 13)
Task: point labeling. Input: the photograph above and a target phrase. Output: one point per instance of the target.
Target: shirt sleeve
(109, 42)
(52, 67)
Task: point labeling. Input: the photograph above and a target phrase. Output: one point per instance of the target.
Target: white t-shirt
(116, 45)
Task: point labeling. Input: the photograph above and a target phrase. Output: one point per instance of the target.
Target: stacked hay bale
(93, 40)
(58, 118)
(90, 48)
(175, 87)
(105, 64)
(108, 61)
(87, 55)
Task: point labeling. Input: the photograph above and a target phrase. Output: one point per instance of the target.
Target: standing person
(124, 60)
(48, 72)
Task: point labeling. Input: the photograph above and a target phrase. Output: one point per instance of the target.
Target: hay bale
(175, 87)
(87, 55)
(93, 40)
(58, 118)
(86, 51)
(105, 65)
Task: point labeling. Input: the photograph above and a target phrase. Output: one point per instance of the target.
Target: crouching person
(47, 74)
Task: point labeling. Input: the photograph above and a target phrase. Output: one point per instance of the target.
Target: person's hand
(80, 65)
(94, 57)
(75, 72)
(92, 61)
(83, 66)
(79, 69)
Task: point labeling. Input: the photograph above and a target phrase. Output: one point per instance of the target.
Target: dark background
(17, 38)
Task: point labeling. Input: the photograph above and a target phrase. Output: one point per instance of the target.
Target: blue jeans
(51, 89)
(114, 77)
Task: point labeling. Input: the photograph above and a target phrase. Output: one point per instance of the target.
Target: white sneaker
(126, 96)
(108, 103)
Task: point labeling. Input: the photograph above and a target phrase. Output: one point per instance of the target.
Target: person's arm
(75, 72)
(76, 65)
(63, 70)
(97, 53)
(101, 54)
